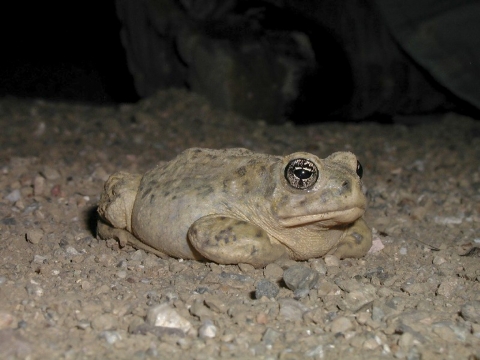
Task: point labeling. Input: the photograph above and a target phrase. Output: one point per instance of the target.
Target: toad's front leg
(227, 240)
(355, 242)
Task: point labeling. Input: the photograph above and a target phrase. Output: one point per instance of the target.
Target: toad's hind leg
(356, 242)
(231, 241)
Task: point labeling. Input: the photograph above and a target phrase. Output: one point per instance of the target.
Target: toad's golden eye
(301, 173)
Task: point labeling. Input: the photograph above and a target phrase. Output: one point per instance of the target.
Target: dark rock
(266, 288)
(300, 278)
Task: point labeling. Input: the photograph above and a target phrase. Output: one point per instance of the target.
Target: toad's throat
(326, 219)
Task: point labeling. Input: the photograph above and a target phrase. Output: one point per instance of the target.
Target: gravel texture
(64, 294)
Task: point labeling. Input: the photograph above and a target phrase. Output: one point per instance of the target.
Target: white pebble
(13, 196)
(39, 259)
(70, 250)
(331, 260)
(34, 289)
(111, 336)
(208, 330)
(165, 315)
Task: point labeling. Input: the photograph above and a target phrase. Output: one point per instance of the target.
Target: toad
(235, 206)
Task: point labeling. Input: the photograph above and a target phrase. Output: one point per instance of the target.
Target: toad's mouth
(326, 219)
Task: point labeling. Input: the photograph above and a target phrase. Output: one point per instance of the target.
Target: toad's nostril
(345, 186)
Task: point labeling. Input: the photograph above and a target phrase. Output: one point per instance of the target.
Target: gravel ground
(64, 294)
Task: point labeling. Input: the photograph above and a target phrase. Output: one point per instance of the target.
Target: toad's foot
(105, 231)
(231, 241)
(356, 241)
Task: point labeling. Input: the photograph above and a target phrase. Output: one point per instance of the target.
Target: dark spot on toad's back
(204, 190)
(241, 171)
(151, 198)
(146, 193)
(358, 238)
(152, 183)
(168, 184)
(259, 234)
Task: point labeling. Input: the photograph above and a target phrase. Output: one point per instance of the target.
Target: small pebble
(319, 266)
(438, 260)
(39, 259)
(246, 268)
(34, 236)
(207, 330)
(50, 173)
(332, 260)
(341, 324)
(406, 341)
(216, 304)
(372, 343)
(235, 277)
(86, 285)
(471, 311)
(13, 196)
(201, 311)
(266, 288)
(356, 299)
(56, 190)
(14, 346)
(100, 174)
(70, 250)
(273, 272)
(38, 185)
(111, 336)
(122, 274)
(270, 336)
(164, 315)
(444, 332)
(300, 279)
(138, 255)
(448, 287)
(104, 322)
(291, 310)
(6, 320)
(262, 318)
(34, 289)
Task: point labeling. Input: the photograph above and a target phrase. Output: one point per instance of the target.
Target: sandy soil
(65, 294)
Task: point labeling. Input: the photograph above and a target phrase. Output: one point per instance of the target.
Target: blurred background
(277, 60)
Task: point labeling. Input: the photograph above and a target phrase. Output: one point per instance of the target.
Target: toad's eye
(301, 173)
(359, 169)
